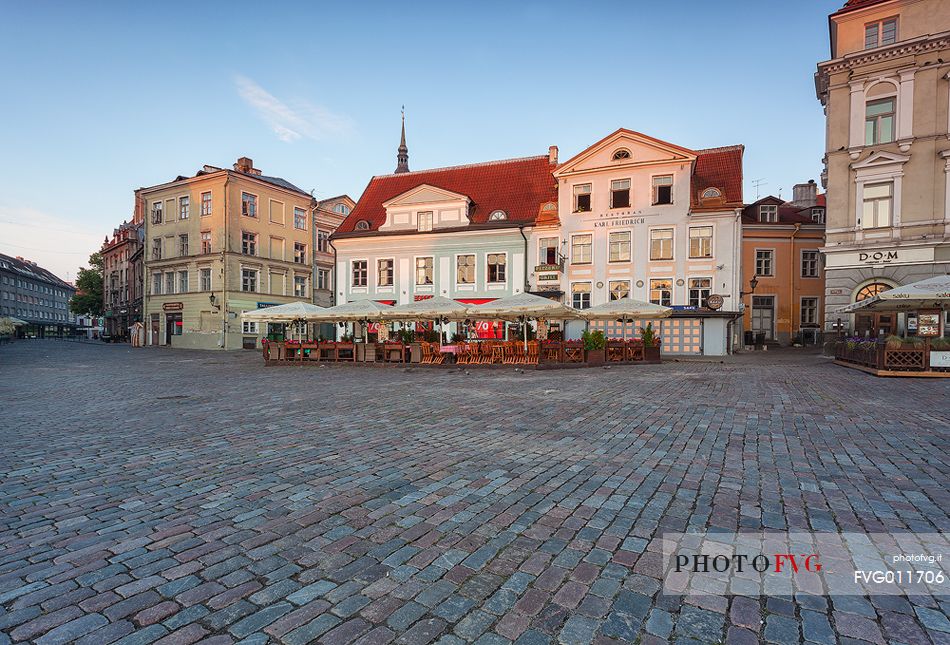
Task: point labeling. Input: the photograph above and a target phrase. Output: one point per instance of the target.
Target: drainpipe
(313, 248)
(334, 272)
(791, 270)
(224, 268)
(521, 230)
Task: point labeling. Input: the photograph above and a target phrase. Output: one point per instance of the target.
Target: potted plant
(651, 344)
(894, 342)
(595, 345)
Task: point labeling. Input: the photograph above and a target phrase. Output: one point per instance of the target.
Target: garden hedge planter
(651, 354)
(595, 356)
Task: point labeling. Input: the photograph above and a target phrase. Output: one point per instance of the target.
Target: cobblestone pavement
(173, 496)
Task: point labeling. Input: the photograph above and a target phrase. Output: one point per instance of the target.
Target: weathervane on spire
(402, 154)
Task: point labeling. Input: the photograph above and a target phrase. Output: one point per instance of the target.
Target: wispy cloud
(294, 120)
(58, 243)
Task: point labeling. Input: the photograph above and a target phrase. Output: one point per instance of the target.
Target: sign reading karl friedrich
(609, 220)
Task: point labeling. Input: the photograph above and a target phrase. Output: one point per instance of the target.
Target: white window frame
(672, 257)
(323, 241)
(712, 242)
(801, 264)
(654, 187)
(610, 243)
(303, 293)
(184, 285)
(303, 255)
(890, 198)
(542, 257)
(257, 280)
(303, 212)
(689, 288)
(672, 282)
(205, 212)
(257, 206)
(801, 310)
(468, 285)
(590, 246)
(415, 272)
(755, 265)
(392, 280)
(768, 213)
(201, 279)
(160, 210)
(324, 278)
(575, 193)
(353, 284)
(507, 266)
(629, 190)
(248, 327)
(210, 238)
(610, 288)
(427, 226)
(590, 292)
(256, 242)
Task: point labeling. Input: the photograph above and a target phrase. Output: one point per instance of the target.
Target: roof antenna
(756, 183)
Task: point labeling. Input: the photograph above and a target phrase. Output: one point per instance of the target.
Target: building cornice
(918, 45)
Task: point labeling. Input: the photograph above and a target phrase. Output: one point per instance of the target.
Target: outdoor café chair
(533, 353)
(438, 356)
(462, 353)
(426, 353)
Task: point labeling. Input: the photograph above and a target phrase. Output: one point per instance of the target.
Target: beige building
(220, 243)
(887, 100)
(328, 215)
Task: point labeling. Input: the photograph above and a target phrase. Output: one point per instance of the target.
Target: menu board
(928, 324)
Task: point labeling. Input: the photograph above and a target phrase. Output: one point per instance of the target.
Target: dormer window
(362, 225)
(818, 215)
(880, 33)
(498, 216)
(711, 193)
(620, 154)
(342, 209)
(425, 220)
(768, 213)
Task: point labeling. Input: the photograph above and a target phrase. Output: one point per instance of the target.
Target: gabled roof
(620, 133)
(517, 186)
(718, 168)
(854, 5)
(788, 213)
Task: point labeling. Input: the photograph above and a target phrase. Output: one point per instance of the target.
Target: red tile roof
(517, 186)
(854, 5)
(718, 168)
(788, 213)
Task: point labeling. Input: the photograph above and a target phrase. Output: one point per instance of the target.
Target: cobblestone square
(179, 496)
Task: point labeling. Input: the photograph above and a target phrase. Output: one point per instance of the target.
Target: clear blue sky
(100, 98)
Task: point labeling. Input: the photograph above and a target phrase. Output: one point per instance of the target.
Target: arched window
(871, 290)
(362, 225)
(497, 216)
(711, 193)
(622, 153)
(342, 209)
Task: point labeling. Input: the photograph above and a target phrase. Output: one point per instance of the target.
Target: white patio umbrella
(626, 309)
(522, 306)
(437, 308)
(292, 312)
(930, 293)
(356, 311)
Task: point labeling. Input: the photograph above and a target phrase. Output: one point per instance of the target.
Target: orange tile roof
(719, 168)
(517, 186)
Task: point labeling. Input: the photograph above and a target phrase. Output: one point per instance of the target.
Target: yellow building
(220, 243)
(886, 95)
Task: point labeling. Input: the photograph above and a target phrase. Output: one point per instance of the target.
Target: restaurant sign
(714, 301)
(549, 277)
(879, 257)
(173, 306)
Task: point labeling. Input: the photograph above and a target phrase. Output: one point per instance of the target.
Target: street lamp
(753, 283)
(213, 301)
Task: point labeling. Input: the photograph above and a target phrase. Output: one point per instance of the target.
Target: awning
(626, 308)
(436, 307)
(354, 312)
(284, 313)
(931, 293)
(527, 305)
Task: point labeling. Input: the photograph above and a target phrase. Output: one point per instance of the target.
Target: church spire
(402, 155)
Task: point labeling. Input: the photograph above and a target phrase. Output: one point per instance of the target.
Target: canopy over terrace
(302, 311)
(356, 311)
(434, 308)
(520, 307)
(625, 309)
(931, 293)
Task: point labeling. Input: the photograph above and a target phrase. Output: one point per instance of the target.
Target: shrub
(594, 340)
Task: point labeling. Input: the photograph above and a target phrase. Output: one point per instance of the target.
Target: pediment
(881, 158)
(642, 149)
(424, 194)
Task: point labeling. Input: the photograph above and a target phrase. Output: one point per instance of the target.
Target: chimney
(552, 155)
(246, 165)
(805, 195)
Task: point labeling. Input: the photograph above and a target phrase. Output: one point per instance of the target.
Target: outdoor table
(551, 352)
(393, 352)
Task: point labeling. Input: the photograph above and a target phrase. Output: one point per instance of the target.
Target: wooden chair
(487, 352)
(462, 353)
(438, 356)
(426, 353)
(534, 353)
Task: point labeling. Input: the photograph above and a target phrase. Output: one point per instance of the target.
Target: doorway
(763, 316)
(874, 325)
(172, 327)
(153, 333)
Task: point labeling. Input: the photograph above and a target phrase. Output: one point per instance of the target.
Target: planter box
(651, 354)
(595, 356)
(415, 352)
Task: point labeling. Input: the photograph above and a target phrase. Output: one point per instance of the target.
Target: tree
(88, 298)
